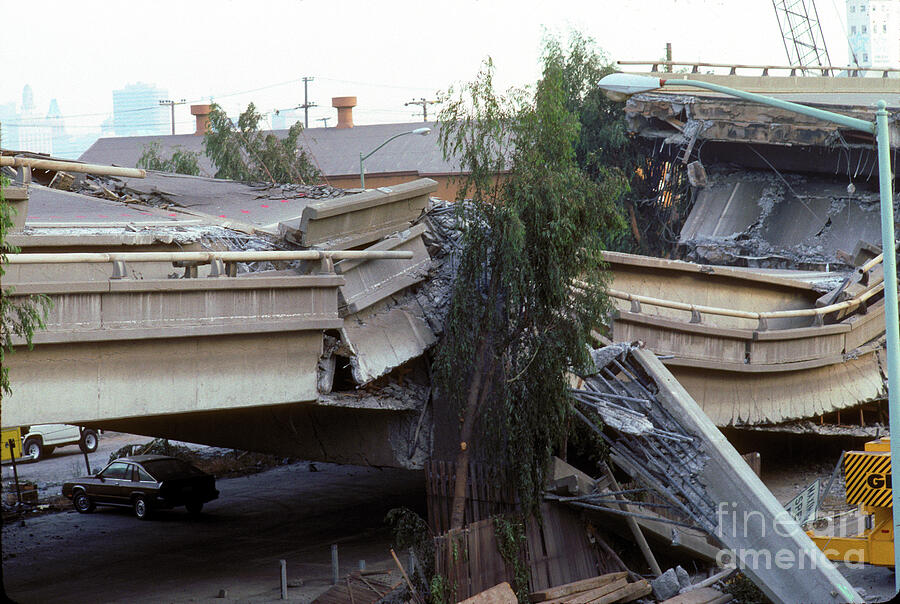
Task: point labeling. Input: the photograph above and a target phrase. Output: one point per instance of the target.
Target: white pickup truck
(39, 440)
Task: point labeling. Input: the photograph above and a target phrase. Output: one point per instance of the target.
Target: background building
(137, 112)
(285, 118)
(34, 134)
(873, 32)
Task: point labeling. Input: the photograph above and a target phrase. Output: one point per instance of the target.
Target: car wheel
(34, 449)
(89, 441)
(141, 508)
(194, 507)
(82, 502)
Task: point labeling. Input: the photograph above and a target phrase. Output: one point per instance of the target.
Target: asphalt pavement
(68, 462)
(293, 512)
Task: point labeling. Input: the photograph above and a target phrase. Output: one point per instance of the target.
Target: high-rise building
(873, 31)
(136, 110)
(286, 118)
(34, 133)
(9, 132)
(55, 120)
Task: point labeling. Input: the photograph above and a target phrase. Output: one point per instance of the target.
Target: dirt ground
(292, 512)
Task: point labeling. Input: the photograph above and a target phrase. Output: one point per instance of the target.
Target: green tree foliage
(535, 224)
(242, 152)
(655, 204)
(20, 319)
(182, 161)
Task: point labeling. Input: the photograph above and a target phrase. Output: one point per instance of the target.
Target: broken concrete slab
(357, 220)
(383, 337)
(369, 281)
(773, 220)
(723, 209)
(666, 585)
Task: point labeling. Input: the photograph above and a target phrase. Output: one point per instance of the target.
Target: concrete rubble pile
(772, 188)
(691, 479)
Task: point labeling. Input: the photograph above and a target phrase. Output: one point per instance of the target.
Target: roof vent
(344, 105)
(201, 112)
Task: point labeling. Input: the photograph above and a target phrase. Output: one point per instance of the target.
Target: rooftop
(334, 150)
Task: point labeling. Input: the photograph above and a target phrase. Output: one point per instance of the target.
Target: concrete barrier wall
(359, 219)
(705, 285)
(119, 309)
(94, 381)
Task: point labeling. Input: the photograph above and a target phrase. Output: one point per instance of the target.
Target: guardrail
(696, 310)
(223, 263)
(826, 70)
(763, 318)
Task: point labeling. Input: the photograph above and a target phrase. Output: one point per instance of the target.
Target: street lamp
(362, 172)
(619, 86)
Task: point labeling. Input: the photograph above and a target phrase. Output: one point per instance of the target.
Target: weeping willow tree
(243, 152)
(534, 223)
(657, 200)
(19, 319)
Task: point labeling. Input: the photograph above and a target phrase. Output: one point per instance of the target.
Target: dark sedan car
(143, 483)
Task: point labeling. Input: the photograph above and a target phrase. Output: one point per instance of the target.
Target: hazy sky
(384, 52)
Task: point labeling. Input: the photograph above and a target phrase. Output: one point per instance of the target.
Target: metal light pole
(622, 85)
(362, 158)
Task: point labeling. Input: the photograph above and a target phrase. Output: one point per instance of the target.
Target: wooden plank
(576, 586)
(704, 595)
(474, 543)
(499, 594)
(537, 556)
(583, 597)
(629, 593)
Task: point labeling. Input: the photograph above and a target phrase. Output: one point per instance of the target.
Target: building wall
(873, 31)
(136, 110)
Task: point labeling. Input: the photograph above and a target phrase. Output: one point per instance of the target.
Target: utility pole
(424, 105)
(306, 104)
(172, 104)
(324, 120)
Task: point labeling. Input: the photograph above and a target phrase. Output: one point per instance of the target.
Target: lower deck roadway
(288, 513)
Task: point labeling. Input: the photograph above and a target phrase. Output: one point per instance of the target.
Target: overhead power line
(306, 104)
(172, 104)
(424, 104)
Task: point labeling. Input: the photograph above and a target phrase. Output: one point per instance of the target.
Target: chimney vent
(201, 112)
(344, 105)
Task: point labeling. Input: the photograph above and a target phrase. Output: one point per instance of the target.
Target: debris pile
(136, 191)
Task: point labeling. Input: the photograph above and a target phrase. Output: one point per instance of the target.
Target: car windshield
(165, 469)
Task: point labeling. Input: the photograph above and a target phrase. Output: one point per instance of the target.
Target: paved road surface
(67, 462)
(286, 513)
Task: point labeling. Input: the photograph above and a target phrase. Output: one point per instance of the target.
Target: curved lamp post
(362, 158)
(619, 86)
